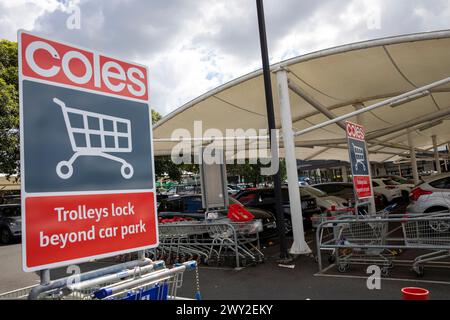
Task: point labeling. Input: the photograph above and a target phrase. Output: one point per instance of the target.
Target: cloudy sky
(192, 46)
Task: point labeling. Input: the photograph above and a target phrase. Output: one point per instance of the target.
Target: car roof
(181, 197)
(333, 183)
(436, 177)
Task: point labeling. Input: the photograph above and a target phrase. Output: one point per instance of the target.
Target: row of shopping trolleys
(216, 242)
(134, 280)
(378, 239)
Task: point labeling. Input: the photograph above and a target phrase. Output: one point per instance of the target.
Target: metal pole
(344, 174)
(299, 246)
(415, 170)
(272, 126)
(436, 154)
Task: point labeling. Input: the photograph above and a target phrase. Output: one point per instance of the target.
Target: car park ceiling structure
(398, 88)
(336, 82)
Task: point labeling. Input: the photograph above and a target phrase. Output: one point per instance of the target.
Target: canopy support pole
(413, 158)
(344, 174)
(436, 154)
(299, 246)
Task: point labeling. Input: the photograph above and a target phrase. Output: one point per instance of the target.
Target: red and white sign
(67, 228)
(55, 62)
(358, 160)
(363, 186)
(69, 215)
(355, 131)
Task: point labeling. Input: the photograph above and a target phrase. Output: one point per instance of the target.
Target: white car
(433, 195)
(405, 185)
(388, 188)
(324, 201)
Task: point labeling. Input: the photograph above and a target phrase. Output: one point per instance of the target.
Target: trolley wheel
(343, 268)
(64, 170)
(386, 272)
(127, 171)
(420, 271)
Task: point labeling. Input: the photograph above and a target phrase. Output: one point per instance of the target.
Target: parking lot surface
(267, 281)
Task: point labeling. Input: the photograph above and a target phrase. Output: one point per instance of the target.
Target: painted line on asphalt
(386, 279)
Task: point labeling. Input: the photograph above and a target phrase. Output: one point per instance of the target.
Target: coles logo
(355, 131)
(51, 61)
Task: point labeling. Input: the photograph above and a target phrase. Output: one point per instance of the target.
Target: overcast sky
(192, 46)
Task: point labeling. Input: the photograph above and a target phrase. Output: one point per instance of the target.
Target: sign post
(359, 163)
(88, 186)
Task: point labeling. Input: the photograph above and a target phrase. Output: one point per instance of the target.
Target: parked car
(432, 195)
(232, 190)
(405, 185)
(183, 190)
(191, 207)
(324, 201)
(265, 199)
(10, 223)
(345, 191)
(388, 188)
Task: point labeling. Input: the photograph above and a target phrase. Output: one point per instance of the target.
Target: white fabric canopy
(337, 78)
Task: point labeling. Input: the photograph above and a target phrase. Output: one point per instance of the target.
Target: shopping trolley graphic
(360, 157)
(113, 133)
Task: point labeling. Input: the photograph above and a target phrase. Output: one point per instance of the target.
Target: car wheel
(5, 236)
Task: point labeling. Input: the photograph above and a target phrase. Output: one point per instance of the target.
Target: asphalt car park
(218, 283)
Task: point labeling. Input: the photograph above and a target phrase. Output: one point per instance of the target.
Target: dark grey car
(10, 223)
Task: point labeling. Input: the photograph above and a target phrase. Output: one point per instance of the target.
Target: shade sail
(339, 79)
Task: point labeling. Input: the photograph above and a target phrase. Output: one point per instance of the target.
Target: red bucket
(417, 294)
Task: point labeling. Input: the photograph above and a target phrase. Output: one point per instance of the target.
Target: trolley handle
(59, 102)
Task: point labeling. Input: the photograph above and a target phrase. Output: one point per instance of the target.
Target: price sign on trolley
(358, 160)
(88, 188)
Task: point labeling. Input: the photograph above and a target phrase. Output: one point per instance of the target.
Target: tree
(9, 109)
(156, 116)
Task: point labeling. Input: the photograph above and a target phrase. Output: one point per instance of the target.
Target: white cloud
(192, 46)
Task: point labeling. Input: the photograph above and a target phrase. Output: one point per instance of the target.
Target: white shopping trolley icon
(119, 140)
(360, 157)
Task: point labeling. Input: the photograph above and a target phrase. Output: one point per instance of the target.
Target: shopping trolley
(362, 239)
(115, 139)
(153, 281)
(360, 157)
(430, 232)
(209, 242)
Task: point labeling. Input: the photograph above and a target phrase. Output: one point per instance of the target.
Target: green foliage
(155, 116)
(9, 109)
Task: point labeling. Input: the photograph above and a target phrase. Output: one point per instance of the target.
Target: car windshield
(389, 182)
(315, 192)
(400, 180)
